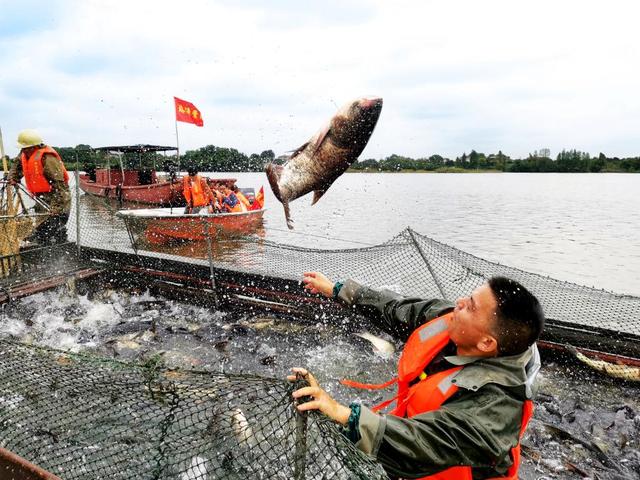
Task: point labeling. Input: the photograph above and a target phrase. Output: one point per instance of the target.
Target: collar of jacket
(516, 372)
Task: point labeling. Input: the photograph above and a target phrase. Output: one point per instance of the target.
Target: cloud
(455, 76)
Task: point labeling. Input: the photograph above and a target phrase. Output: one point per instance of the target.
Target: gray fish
(318, 163)
(241, 428)
(624, 372)
(380, 345)
(197, 469)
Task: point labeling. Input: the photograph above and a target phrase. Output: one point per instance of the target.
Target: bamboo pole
(9, 240)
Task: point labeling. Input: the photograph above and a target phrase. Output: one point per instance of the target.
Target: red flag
(187, 112)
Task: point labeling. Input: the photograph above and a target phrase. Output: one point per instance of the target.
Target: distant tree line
(566, 161)
(211, 159)
(205, 159)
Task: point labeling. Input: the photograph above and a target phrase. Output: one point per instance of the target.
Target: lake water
(583, 228)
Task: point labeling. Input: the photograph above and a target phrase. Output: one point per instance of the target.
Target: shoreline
(461, 170)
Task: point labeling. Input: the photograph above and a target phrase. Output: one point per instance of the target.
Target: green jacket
(477, 426)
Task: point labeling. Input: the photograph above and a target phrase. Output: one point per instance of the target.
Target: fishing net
(82, 417)
(410, 263)
(13, 229)
(416, 265)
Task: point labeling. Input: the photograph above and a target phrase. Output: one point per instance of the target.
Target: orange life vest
(243, 200)
(193, 192)
(429, 392)
(33, 170)
(238, 207)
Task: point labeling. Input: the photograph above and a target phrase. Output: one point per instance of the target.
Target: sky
(515, 76)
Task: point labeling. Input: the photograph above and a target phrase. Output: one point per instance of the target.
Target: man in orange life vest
(46, 178)
(240, 196)
(465, 380)
(196, 192)
(231, 203)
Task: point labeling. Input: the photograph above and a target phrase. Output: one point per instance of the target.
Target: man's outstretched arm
(393, 313)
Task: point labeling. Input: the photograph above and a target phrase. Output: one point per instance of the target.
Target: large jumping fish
(316, 164)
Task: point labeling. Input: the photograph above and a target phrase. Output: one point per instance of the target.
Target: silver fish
(241, 428)
(625, 372)
(318, 163)
(380, 345)
(197, 469)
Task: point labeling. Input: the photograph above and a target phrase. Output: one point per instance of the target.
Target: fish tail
(273, 174)
(287, 214)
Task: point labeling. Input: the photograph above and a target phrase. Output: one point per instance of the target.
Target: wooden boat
(162, 225)
(140, 185)
(111, 185)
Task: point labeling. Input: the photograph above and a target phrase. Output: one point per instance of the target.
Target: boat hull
(164, 225)
(160, 193)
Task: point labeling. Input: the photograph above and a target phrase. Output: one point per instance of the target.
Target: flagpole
(177, 145)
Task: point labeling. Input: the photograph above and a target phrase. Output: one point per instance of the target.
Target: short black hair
(519, 316)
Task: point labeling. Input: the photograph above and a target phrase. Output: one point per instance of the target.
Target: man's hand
(316, 282)
(321, 400)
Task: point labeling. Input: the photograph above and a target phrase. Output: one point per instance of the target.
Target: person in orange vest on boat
(46, 178)
(218, 199)
(196, 192)
(244, 200)
(231, 203)
(465, 380)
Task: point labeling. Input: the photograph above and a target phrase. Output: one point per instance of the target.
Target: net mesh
(81, 417)
(416, 265)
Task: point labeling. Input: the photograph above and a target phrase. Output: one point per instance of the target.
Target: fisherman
(47, 179)
(244, 200)
(196, 192)
(465, 380)
(231, 203)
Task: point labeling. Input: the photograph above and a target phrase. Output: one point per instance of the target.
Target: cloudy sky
(455, 76)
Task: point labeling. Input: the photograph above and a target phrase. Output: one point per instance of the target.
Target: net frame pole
(77, 204)
(300, 455)
(424, 257)
(212, 275)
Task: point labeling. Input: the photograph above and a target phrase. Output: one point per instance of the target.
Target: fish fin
(287, 214)
(299, 150)
(321, 137)
(317, 195)
(273, 174)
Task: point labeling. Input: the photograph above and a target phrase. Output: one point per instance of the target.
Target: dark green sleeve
(478, 429)
(15, 171)
(391, 312)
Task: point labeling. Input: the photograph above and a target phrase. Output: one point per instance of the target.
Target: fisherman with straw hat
(47, 179)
